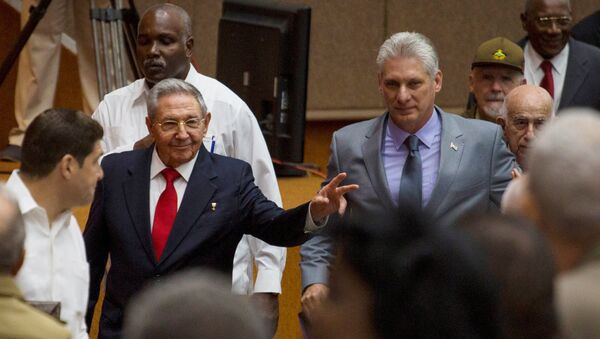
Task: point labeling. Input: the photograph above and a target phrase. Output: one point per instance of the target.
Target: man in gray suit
(414, 155)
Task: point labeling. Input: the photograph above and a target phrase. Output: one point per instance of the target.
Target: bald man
(525, 110)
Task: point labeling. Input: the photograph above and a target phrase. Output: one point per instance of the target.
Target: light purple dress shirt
(394, 154)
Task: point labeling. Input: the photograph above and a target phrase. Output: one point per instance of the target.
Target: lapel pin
(213, 206)
(453, 146)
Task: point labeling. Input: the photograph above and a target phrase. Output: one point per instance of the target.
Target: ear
(438, 81)
(524, 81)
(17, 266)
(149, 124)
(524, 21)
(207, 118)
(189, 43)
(66, 166)
(380, 81)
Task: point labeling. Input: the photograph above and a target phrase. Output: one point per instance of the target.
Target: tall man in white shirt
(59, 170)
(164, 49)
(565, 67)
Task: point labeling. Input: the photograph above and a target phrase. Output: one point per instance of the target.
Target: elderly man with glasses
(565, 67)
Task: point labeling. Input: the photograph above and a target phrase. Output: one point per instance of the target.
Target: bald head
(164, 43)
(525, 110)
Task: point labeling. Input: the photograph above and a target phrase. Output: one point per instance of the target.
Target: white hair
(563, 174)
(172, 86)
(409, 45)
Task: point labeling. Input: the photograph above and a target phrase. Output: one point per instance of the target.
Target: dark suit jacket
(582, 83)
(119, 225)
(472, 177)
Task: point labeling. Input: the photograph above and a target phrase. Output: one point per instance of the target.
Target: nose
(181, 132)
(403, 94)
(554, 27)
(497, 85)
(153, 48)
(530, 134)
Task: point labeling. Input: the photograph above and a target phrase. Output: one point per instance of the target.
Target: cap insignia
(499, 55)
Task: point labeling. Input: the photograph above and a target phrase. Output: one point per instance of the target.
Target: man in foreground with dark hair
(59, 171)
(402, 276)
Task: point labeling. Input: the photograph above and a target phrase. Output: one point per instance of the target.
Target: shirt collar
(559, 61)
(141, 92)
(426, 134)
(27, 203)
(24, 198)
(185, 170)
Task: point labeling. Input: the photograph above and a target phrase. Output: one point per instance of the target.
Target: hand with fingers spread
(330, 198)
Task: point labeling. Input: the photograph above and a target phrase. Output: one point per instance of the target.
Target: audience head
(65, 144)
(164, 43)
(563, 182)
(522, 264)
(548, 25)
(404, 276)
(177, 120)
(12, 234)
(191, 304)
(409, 78)
(496, 69)
(525, 110)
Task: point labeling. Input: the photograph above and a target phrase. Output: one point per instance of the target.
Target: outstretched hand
(330, 198)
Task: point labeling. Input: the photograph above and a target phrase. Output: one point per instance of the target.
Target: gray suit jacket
(475, 168)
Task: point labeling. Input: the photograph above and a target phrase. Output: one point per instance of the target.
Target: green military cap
(499, 51)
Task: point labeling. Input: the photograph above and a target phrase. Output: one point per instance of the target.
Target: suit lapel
(452, 145)
(197, 195)
(371, 150)
(137, 190)
(575, 75)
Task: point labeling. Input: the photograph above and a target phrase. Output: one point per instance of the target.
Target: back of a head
(191, 304)
(426, 281)
(55, 133)
(12, 232)
(522, 264)
(563, 179)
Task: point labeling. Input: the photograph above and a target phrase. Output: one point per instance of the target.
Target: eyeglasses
(560, 21)
(173, 125)
(523, 123)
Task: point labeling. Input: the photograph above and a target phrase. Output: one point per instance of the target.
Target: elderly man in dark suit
(207, 203)
(565, 67)
(413, 156)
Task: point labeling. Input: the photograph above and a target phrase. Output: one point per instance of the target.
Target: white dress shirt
(534, 73)
(55, 267)
(233, 131)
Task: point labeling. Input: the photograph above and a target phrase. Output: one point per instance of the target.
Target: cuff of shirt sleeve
(318, 275)
(268, 281)
(310, 226)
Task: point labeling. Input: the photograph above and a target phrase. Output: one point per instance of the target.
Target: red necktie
(164, 215)
(548, 81)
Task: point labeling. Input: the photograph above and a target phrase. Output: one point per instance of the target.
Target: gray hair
(563, 175)
(192, 304)
(409, 45)
(12, 231)
(172, 86)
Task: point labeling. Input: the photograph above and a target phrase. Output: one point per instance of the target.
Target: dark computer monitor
(263, 57)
